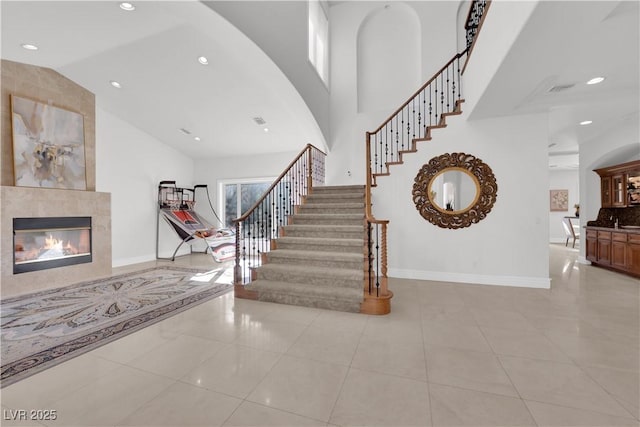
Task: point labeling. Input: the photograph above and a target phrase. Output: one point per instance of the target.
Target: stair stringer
(442, 123)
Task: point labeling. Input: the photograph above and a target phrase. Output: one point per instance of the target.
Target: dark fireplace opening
(43, 243)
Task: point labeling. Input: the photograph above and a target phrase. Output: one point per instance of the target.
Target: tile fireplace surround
(21, 202)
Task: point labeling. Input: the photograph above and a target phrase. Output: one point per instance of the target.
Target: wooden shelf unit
(616, 186)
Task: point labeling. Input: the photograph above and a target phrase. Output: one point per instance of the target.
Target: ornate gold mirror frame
(480, 173)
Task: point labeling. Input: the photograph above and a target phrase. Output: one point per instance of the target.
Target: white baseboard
(583, 260)
(558, 240)
(132, 260)
(441, 276)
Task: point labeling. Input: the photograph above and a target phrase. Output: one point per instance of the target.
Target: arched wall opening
(389, 57)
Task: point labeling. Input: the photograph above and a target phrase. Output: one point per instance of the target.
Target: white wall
(563, 180)
(503, 23)
(129, 165)
(437, 46)
(280, 29)
(388, 58)
(619, 145)
(508, 247)
(212, 171)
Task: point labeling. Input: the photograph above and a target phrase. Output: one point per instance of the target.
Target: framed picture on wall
(559, 200)
(48, 145)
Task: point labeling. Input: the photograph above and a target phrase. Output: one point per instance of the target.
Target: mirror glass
(454, 190)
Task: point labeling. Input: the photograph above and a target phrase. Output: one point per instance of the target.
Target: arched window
(319, 39)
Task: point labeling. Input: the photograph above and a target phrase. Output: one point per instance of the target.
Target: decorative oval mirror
(454, 190)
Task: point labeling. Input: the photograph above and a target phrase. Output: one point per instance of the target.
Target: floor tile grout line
(426, 363)
(496, 356)
(566, 406)
(614, 397)
(575, 408)
(349, 367)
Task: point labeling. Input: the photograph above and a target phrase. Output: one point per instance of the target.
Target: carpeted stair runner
(319, 260)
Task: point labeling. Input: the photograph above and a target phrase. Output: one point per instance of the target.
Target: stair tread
(322, 198)
(354, 205)
(322, 188)
(291, 253)
(322, 241)
(330, 215)
(315, 271)
(326, 227)
(302, 289)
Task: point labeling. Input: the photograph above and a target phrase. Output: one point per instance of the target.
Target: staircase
(318, 260)
(318, 246)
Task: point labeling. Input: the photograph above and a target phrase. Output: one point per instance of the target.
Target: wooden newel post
(383, 262)
(310, 171)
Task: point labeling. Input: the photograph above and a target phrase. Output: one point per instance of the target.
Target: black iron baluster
(441, 96)
(369, 256)
(448, 110)
(430, 107)
(409, 141)
(420, 135)
(377, 262)
(381, 162)
(375, 157)
(397, 133)
(459, 81)
(386, 147)
(413, 122)
(435, 98)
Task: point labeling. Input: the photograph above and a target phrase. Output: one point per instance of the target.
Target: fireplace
(43, 243)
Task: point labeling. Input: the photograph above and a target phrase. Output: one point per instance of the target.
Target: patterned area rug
(41, 330)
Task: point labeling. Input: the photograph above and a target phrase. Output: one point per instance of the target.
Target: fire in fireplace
(42, 243)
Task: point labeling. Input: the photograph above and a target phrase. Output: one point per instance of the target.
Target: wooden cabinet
(592, 245)
(605, 191)
(633, 254)
(620, 185)
(618, 249)
(619, 191)
(604, 247)
(613, 191)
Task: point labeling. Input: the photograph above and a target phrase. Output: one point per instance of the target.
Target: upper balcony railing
(475, 18)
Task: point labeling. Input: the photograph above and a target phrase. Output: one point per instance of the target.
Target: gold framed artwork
(48, 145)
(559, 200)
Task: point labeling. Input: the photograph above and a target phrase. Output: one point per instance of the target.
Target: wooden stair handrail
(457, 56)
(307, 147)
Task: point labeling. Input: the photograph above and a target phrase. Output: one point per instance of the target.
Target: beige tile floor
(448, 355)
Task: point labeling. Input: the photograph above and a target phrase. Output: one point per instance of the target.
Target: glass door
(239, 197)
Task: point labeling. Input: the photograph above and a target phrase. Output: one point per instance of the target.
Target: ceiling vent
(259, 121)
(561, 88)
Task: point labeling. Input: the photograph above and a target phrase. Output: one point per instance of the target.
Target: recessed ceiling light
(127, 6)
(595, 80)
(29, 46)
(115, 84)
(266, 130)
(586, 122)
(197, 138)
(203, 60)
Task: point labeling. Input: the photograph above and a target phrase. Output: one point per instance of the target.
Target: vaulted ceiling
(153, 53)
